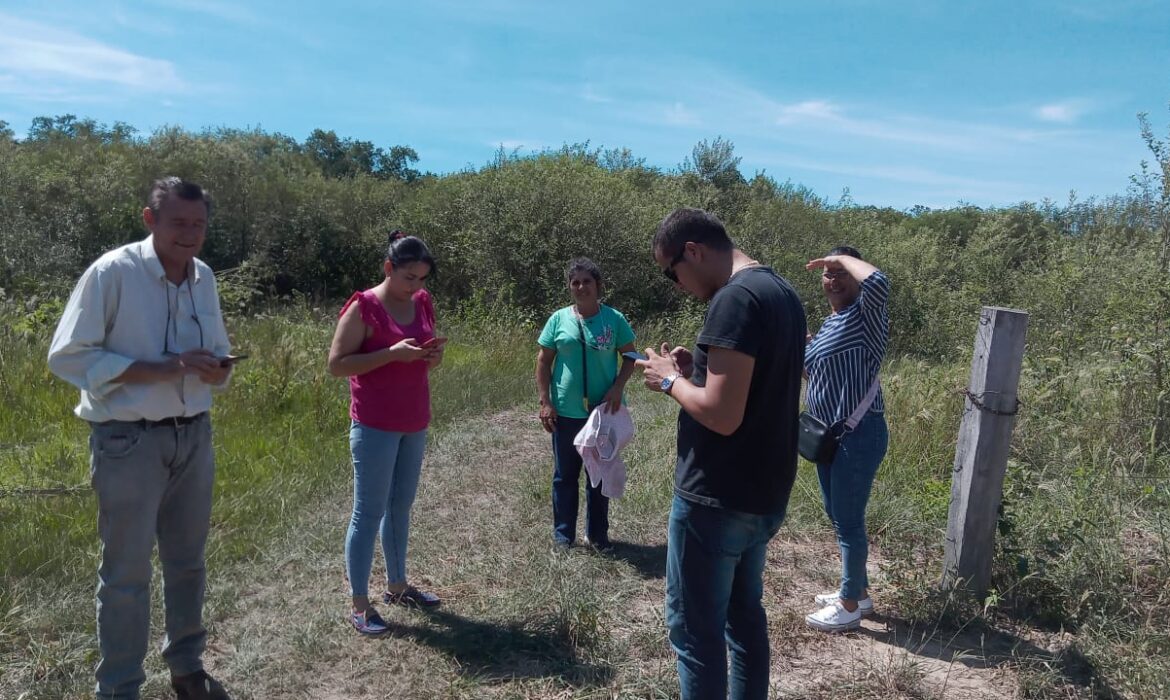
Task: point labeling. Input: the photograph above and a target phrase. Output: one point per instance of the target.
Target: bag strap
(584, 361)
(858, 414)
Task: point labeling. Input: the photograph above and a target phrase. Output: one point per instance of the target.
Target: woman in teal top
(580, 345)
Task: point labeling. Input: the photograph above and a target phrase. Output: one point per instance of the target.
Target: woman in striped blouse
(842, 362)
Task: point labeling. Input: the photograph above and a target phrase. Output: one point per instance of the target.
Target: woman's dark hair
(404, 249)
(164, 188)
(583, 265)
(845, 250)
(694, 225)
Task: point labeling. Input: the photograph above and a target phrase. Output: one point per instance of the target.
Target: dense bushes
(310, 219)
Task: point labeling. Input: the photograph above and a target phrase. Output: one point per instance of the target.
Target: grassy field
(1078, 609)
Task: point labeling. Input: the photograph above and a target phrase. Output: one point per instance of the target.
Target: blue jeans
(714, 584)
(151, 483)
(845, 487)
(386, 467)
(567, 467)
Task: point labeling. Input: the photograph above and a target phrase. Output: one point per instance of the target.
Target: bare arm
(627, 368)
(544, 365)
(346, 361)
(720, 405)
(857, 269)
(203, 363)
(613, 397)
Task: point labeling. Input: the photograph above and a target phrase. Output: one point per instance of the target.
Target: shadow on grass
(648, 559)
(984, 647)
(489, 651)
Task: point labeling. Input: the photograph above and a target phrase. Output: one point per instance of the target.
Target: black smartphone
(634, 355)
(231, 360)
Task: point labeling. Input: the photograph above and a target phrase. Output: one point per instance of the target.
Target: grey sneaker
(864, 606)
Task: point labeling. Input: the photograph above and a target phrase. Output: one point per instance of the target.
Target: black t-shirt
(752, 470)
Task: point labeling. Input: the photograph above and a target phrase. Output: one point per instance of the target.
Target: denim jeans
(845, 487)
(714, 585)
(567, 468)
(151, 483)
(386, 467)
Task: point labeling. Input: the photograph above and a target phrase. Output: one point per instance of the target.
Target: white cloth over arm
(600, 444)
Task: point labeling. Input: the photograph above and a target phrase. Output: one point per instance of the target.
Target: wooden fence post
(985, 434)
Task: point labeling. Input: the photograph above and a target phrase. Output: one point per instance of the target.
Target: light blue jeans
(386, 467)
(151, 482)
(714, 587)
(845, 488)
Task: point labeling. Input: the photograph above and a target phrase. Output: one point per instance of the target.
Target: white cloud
(590, 94)
(716, 98)
(43, 62)
(1065, 112)
(679, 115)
(808, 110)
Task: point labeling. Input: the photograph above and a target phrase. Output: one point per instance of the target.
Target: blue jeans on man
(845, 489)
(150, 482)
(714, 587)
(567, 468)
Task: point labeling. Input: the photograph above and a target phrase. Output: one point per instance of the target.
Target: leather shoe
(198, 686)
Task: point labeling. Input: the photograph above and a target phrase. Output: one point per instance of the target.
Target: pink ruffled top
(395, 397)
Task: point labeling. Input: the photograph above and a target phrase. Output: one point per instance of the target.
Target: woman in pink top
(385, 343)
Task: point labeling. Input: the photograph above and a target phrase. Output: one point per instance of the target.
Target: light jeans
(151, 482)
(386, 467)
(845, 488)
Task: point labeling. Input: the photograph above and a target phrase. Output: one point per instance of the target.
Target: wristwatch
(668, 382)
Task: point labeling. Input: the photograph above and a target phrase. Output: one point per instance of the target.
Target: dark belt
(172, 422)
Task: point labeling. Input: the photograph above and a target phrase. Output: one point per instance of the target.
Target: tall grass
(281, 443)
(1083, 553)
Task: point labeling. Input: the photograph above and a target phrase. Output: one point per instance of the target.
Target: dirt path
(522, 621)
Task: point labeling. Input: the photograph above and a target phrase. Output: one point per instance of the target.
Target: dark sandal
(411, 597)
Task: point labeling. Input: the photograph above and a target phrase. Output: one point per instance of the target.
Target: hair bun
(395, 235)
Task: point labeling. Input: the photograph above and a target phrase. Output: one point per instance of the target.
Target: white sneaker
(834, 618)
(865, 605)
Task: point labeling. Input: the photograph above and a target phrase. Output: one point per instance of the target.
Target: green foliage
(1083, 534)
(310, 218)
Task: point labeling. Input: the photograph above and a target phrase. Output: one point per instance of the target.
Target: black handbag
(817, 441)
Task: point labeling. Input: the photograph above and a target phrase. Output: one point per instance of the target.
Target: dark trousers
(714, 588)
(565, 489)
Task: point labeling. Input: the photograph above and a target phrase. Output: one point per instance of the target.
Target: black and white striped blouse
(844, 357)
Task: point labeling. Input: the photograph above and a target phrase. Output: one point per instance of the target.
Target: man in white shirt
(143, 338)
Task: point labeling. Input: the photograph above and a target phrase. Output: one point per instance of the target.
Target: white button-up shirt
(124, 309)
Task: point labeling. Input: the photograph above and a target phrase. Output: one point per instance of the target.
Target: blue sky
(931, 102)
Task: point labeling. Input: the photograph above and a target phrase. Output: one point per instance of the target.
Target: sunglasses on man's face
(669, 269)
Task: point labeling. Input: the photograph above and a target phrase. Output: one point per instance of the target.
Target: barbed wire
(977, 401)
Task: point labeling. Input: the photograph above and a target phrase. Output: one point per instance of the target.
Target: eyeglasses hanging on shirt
(172, 327)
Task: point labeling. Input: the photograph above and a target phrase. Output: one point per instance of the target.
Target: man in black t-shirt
(739, 393)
